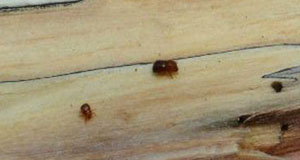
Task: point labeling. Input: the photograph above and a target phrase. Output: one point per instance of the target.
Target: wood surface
(100, 52)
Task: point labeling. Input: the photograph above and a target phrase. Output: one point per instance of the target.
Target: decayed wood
(100, 52)
(139, 115)
(101, 33)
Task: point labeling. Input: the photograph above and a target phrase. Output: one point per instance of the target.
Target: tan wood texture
(100, 52)
(101, 33)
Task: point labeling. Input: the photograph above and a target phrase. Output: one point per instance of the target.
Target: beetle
(86, 112)
(277, 86)
(165, 67)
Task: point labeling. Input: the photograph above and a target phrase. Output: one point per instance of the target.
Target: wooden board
(53, 60)
(100, 33)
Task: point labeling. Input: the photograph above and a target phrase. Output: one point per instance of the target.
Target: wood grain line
(146, 63)
(22, 8)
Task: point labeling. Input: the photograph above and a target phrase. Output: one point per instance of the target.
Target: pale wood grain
(100, 33)
(223, 49)
(142, 116)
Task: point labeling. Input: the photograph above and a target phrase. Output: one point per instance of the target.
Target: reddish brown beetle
(165, 67)
(86, 112)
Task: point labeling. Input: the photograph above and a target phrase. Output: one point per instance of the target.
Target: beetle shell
(277, 86)
(161, 67)
(86, 111)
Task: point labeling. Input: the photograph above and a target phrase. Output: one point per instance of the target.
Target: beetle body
(163, 67)
(277, 86)
(86, 112)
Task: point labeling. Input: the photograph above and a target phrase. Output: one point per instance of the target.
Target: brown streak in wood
(289, 121)
(281, 116)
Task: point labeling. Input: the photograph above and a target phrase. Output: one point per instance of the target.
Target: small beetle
(162, 67)
(86, 112)
(277, 86)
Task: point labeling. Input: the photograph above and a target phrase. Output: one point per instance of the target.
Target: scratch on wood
(9, 7)
(150, 62)
(288, 73)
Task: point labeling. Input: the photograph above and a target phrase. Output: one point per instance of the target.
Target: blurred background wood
(100, 52)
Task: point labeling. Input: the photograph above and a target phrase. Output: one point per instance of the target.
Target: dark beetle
(163, 67)
(277, 86)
